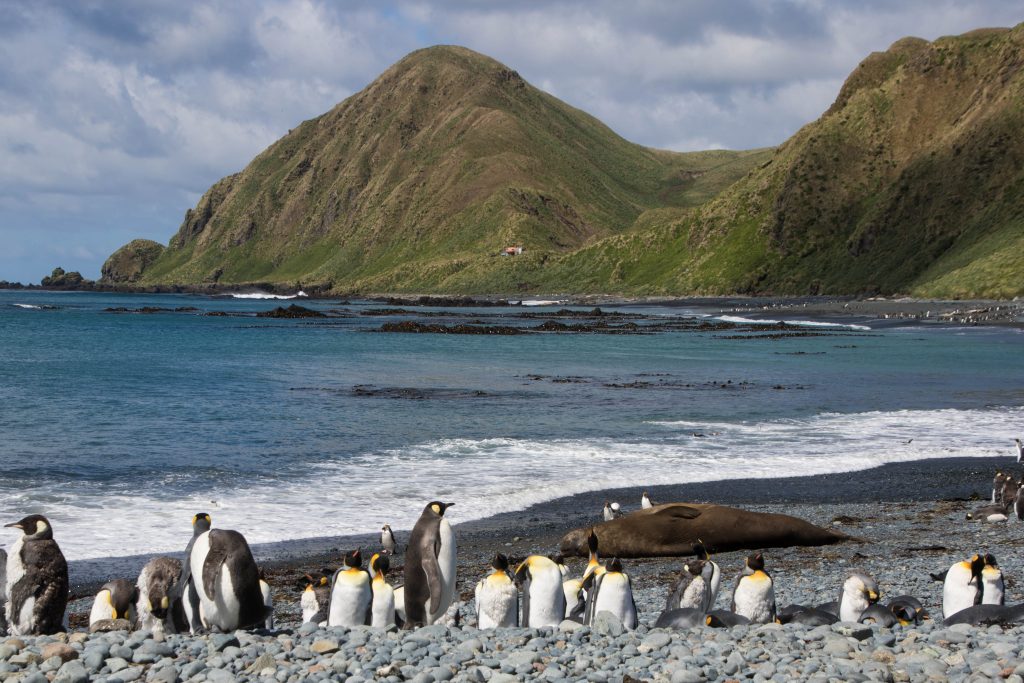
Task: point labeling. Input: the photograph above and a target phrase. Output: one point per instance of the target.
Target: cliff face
(912, 181)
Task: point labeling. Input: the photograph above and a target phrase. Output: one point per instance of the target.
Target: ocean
(120, 426)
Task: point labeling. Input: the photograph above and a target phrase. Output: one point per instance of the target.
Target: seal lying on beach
(673, 529)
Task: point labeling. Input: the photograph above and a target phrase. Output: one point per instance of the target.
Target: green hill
(911, 182)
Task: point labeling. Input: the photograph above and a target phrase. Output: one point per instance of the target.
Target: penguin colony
(218, 586)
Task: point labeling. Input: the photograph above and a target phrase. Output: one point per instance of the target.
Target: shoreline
(541, 526)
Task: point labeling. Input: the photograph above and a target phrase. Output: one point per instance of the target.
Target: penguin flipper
(215, 559)
(679, 512)
(435, 583)
(526, 603)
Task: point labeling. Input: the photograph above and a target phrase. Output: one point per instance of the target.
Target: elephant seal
(673, 529)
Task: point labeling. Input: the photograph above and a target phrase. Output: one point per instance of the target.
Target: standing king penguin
(351, 594)
(543, 595)
(962, 587)
(754, 595)
(429, 567)
(37, 580)
(227, 580)
(189, 594)
(497, 599)
(612, 592)
(383, 594)
(387, 539)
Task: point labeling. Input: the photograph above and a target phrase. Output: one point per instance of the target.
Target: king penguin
(188, 593)
(37, 580)
(993, 590)
(268, 602)
(712, 572)
(383, 610)
(497, 599)
(315, 601)
(543, 595)
(645, 501)
(612, 592)
(860, 591)
(159, 607)
(429, 567)
(997, 488)
(754, 595)
(351, 594)
(116, 600)
(691, 589)
(1020, 450)
(962, 586)
(227, 580)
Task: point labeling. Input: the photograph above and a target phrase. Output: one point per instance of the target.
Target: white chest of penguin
(754, 598)
(351, 598)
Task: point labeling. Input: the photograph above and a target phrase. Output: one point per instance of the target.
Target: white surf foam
(27, 306)
(267, 295)
(541, 302)
(801, 323)
(488, 476)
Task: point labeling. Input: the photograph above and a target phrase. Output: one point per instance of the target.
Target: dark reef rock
(293, 311)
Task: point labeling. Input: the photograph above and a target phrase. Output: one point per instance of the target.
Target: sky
(116, 115)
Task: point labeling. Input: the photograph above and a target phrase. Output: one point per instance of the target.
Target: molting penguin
(387, 539)
(383, 610)
(860, 591)
(351, 594)
(877, 614)
(159, 608)
(612, 592)
(754, 595)
(1009, 491)
(116, 600)
(692, 589)
(187, 591)
(497, 599)
(543, 595)
(993, 591)
(962, 586)
(227, 581)
(645, 501)
(997, 487)
(429, 567)
(37, 580)
(315, 601)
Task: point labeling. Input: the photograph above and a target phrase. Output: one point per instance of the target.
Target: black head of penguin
(977, 565)
(701, 550)
(990, 560)
(592, 542)
(201, 523)
(755, 563)
(500, 563)
(437, 507)
(380, 563)
(354, 559)
(35, 527)
(615, 565)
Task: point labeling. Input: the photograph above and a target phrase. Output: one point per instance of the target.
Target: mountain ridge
(909, 182)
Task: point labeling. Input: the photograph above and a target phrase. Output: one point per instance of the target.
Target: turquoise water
(120, 426)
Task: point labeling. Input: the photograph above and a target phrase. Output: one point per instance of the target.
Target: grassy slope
(911, 182)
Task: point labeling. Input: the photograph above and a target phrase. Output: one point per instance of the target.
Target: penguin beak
(16, 525)
(165, 602)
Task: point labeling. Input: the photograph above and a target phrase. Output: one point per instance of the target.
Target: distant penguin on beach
(227, 581)
(612, 592)
(159, 608)
(430, 567)
(962, 586)
(1020, 450)
(188, 593)
(645, 501)
(606, 513)
(37, 580)
(383, 609)
(1009, 491)
(497, 598)
(860, 591)
(387, 539)
(351, 594)
(115, 600)
(543, 594)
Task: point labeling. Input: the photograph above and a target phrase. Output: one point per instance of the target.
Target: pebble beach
(909, 518)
